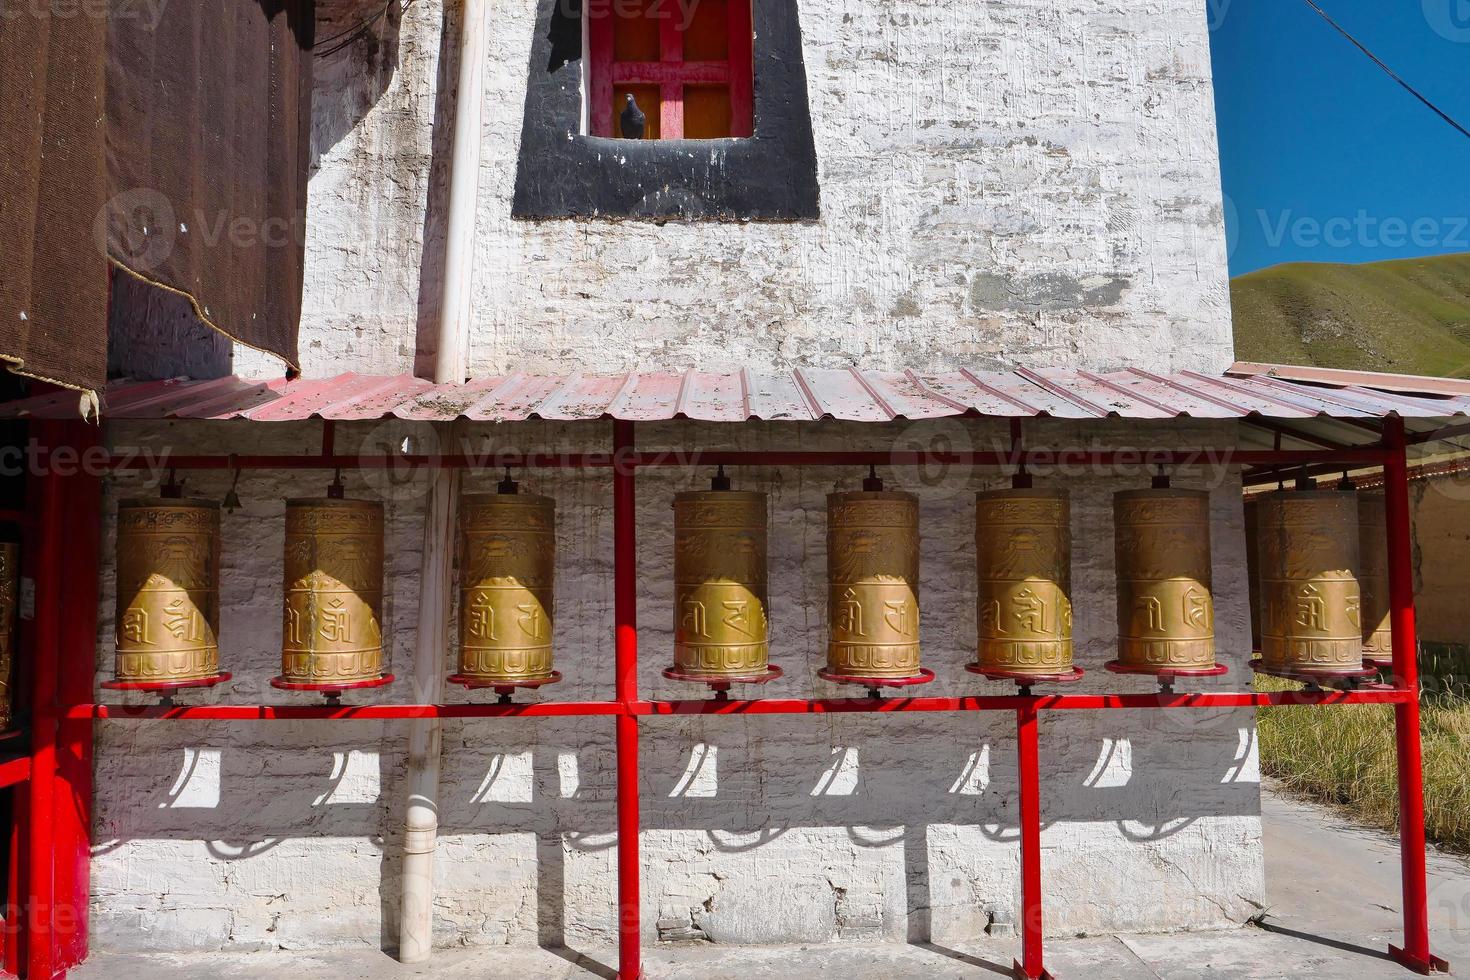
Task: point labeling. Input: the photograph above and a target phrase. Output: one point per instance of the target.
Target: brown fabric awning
(173, 140)
(53, 269)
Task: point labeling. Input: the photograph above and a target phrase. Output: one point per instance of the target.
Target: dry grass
(1344, 755)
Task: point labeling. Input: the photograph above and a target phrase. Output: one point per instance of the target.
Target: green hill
(1410, 316)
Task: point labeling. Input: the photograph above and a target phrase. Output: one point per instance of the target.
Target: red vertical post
(671, 91)
(39, 911)
(625, 613)
(1415, 952)
(1028, 759)
(76, 658)
(599, 15)
(742, 77)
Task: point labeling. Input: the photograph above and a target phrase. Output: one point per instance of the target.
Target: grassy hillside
(1410, 316)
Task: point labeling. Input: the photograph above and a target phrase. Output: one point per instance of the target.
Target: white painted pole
(451, 360)
(421, 817)
(451, 364)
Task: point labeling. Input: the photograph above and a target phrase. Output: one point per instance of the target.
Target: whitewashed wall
(1002, 181)
(804, 829)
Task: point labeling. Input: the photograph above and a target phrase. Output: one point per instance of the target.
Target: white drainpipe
(421, 821)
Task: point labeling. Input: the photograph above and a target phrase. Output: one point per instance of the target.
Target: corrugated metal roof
(805, 394)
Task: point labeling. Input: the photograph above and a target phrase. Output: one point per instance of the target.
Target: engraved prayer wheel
(167, 591)
(1023, 554)
(9, 592)
(333, 592)
(720, 597)
(1253, 569)
(507, 561)
(1373, 576)
(873, 584)
(1311, 603)
(1166, 609)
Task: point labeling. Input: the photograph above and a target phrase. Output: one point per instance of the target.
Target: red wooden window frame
(671, 72)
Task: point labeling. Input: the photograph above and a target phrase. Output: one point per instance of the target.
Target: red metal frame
(64, 710)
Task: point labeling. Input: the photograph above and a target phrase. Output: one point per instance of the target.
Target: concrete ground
(1333, 887)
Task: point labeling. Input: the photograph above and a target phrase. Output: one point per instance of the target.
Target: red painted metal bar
(1033, 458)
(76, 658)
(15, 932)
(769, 706)
(1029, 765)
(14, 771)
(345, 712)
(625, 614)
(40, 899)
(1415, 952)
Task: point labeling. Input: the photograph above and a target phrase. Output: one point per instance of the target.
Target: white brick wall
(810, 829)
(1001, 180)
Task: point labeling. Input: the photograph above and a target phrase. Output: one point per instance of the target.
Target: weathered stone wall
(803, 829)
(1001, 181)
(1441, 530)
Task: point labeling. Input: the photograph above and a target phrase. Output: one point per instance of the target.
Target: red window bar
(69, 650)
(689, 68)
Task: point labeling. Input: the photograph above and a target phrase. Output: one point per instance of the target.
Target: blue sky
(1324, 157)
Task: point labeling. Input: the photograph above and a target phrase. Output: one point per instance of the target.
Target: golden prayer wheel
(167, 591)
(873, 584)
(1166, 610)
(333, 593)
(1373, 576)
(507, 561)
(9, 590)
(1311, 603)
(1023, 554)
(1253, 569)
(720, 599)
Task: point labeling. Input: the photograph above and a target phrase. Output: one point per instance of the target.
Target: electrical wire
(1387, 70)
(328, 46)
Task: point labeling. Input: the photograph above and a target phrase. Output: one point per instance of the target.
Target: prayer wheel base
(504, 688)
(1119, 667)
(875, 684)
(1317, 678)
(1024, 679)
(331, 690)
(720, 683)
(1165, 675)
(164, 687)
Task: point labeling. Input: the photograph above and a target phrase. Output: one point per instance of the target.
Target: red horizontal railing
(711, 706)
(15, 771)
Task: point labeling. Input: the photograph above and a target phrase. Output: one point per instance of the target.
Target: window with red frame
(687, 63)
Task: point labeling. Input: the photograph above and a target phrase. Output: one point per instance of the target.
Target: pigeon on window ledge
(633, 120)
